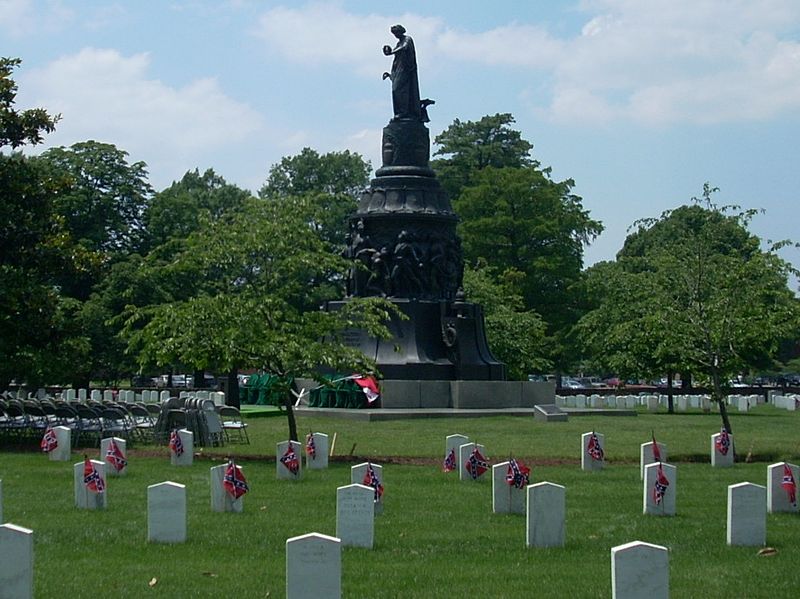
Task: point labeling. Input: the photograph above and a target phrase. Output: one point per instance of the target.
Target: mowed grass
(437, 536)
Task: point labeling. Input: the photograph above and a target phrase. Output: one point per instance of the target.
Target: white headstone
(164, 396)
(96, 395)
(357, 477)
(630, 402)
(571, 401)
(1, 500)
(453, 442)
(747, 514)
(108, 395)
(221, 500)
(16, 562)
(506, 499)
(320, 459)
(651, 504)
(355, 515)
(282, 466)
(84, 498)
(719, 459)
(546, 514)
(63, 451)
(81, 394)
(743, 403)
(122, 445)
(580, 400)
(313, 567)
(166, 513)
(595, 401)
(588, 463)
(646, 455)
(71, 395)
(464, 453)
(610, 401)
(187, 457)
(777, 494)
(652, 403)
(639, 571)
(682, 403)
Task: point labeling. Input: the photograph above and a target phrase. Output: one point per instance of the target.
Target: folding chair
(232, 421)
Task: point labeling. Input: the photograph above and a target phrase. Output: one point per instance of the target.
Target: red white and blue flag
(656, 450)
(594, 449)
(369, 386)
(91, 477)
(789, 485)
(476, 464)
(518, 475)
(234, 481)
(311, 447)
(289, 459)
(115, 457)
(723, 442)
(660, 486)
(175, 444)
(49, 442)
(371, 480)
(450, 461)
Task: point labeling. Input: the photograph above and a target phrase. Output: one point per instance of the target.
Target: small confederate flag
(311, 447)
(371, 480)
(175, 444)
(49, 442)
(115, 457)
(369, 386)
(660, 487)
(594, 449)
(91, 477)
(656, 450)
(723, 442)
(289, 459)
(476, 464)
(519, 475)
(450, 461)
(234, 481)
(789, 484)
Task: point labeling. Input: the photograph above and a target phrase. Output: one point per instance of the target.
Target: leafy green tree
(514, 217)
(178, 210)
(238, 305)
(107, 197)
(693, 291)
(19, 128)
(34, 247)
(516, 335)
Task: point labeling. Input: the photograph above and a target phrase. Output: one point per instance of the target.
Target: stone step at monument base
(381, 414)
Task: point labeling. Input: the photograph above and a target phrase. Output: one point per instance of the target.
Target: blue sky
(639, 101)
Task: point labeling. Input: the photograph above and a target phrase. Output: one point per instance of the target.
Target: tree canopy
(691, 291)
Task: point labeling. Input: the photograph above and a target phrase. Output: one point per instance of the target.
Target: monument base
(438, 341)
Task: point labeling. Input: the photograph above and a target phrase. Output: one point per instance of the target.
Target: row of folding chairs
(20, 419)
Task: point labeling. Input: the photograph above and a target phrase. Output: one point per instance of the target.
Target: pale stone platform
(378, 414)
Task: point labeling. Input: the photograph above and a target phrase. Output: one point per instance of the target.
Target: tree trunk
(670, 400)
(199, 379)
(232, 388)
(718, 397)
(287, 403)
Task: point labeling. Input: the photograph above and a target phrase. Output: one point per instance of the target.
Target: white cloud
(20, 18)
(646, 61)
(105, 96)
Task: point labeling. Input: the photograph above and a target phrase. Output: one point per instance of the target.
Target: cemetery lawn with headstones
(437, 536)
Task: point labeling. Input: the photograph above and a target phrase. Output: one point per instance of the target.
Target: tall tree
(34, 247)
(514, 217)
(693, 291)
(239, 304)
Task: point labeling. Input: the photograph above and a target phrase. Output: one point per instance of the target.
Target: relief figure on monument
(407, 266)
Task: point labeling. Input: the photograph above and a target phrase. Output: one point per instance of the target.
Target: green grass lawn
(437, 536)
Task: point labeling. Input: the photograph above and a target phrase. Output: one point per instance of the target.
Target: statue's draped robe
(405, 85)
